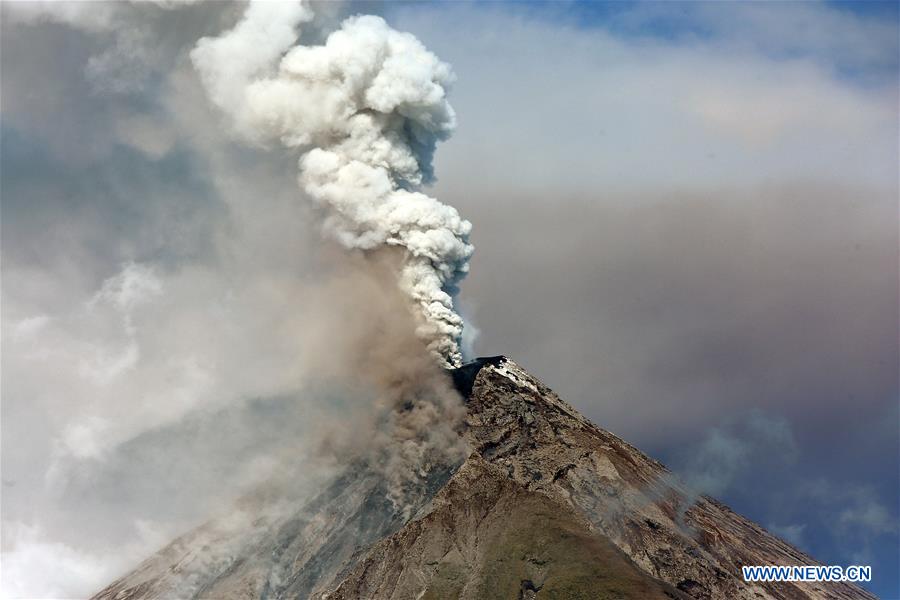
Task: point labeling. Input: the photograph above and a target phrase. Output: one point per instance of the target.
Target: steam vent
(547, 505)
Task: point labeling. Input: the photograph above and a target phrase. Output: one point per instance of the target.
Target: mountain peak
(546, 505)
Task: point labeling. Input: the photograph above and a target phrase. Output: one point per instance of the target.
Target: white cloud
(133, 286)
(37, 566)
(836, 38)
(548, 108)
(29, 326)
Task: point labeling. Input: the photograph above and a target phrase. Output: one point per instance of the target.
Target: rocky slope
(268, 548)
(546, 506)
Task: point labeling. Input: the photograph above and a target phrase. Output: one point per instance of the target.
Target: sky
(685, 222)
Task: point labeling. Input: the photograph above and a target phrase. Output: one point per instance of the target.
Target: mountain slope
(489, 537)
(273, 549)
(525, 435)
(546, 506)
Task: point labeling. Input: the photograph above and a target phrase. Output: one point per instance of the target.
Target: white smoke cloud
(366, 110)
(44, 568)
(134, 51)
(165, 396)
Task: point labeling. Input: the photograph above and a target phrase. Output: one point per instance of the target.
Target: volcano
(547, 505)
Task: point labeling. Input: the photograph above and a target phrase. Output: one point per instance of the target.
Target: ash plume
(409, 414)
(365, 110)
(273, 362)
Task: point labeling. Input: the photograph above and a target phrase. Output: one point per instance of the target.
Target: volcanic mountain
(547, 505)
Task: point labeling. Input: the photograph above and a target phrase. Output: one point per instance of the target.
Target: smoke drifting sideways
(366, 110)
(175, 412)
(153, 403)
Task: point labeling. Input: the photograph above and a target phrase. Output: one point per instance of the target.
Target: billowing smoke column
(366, 109)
